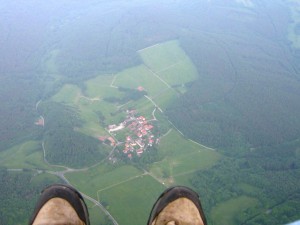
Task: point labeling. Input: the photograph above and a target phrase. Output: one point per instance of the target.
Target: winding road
(61, 175)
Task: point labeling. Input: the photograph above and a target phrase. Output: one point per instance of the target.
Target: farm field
(28, 155)
(102, 177)
(228, 211)
(69, 94)
(180, 157)
(135, 197)
(140, 76)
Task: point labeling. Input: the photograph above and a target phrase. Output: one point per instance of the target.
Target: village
(139, 134)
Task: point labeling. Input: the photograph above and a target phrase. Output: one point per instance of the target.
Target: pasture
(116, 187)
(140, 76)
(169, 62)
(130, 203)
(68, 94)
(228, 211)
(162, 55)
(164, 99)
(179, 73)
(28, 155)
(102, 177)
(96, 89)
(181, 156)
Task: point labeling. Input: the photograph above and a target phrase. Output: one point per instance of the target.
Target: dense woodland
(245, 102)
(64, 145)
(268, 174)
(130, 94)
(19, 193)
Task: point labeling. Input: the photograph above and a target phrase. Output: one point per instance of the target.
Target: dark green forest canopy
(246, 96)
(19, 192)
(268, 174)
(63, 144)
(18, 96)
(248, 77)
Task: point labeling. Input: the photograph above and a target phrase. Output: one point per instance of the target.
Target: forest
(268, 174)
(244, 103)
(22, 189)
(63, 144)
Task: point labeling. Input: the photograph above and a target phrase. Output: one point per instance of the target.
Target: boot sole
(170, 195)
(67, 193)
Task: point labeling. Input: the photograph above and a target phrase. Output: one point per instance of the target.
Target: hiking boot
(60, 204)
(177, 206)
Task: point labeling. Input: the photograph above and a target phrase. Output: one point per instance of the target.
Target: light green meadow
(227, 211)
(181, 156)
(28, 155)
(140, 76)
(69, 94)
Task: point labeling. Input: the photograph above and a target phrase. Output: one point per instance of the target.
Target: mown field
(227, 211)
(28, 155)
(181, 157)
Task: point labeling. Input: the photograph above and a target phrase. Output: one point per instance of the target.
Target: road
(151, 100)
(101, 207)
(61, 175)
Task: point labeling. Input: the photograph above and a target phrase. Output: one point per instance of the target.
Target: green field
(181, 156)
(179, 73)
(165, 98)
(28, 155)
(102, 177)
(69, 94)
(228, 211)
(99, 90)
(162, 55)
(170, 62)
(117, 187)
(131, 202)
(140, 76)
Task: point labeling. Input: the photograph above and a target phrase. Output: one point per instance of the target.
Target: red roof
(140, 88)
(102, 138)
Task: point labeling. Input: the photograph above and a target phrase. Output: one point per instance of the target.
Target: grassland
(162, 55)
(169, 62)
(227, 212)
(131, 202)
(181, 157)
(102, 177)
(28, 155)
(140, 76)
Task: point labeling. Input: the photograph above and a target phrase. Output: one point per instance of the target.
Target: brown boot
(60, 205)
(177, 206)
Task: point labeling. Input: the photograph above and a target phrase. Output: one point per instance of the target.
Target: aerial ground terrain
(124, 99)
